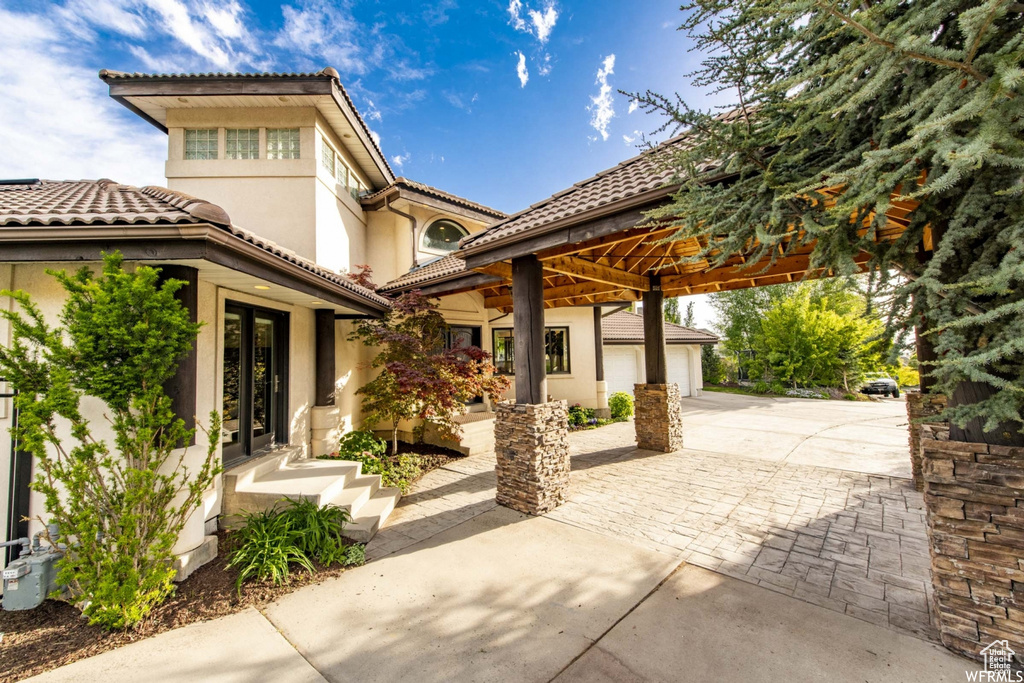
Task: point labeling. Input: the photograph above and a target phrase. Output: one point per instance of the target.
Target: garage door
(620, 363)
(678, 360)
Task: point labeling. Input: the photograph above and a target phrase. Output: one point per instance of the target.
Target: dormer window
(282, 143)
(200, 143)
(242, 143)
(442, 236)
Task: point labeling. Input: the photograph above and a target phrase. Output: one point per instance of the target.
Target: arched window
(442, 236)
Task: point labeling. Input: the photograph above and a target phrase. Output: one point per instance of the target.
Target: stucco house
(275, 189)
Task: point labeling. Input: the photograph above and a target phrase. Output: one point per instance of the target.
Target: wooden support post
(598, 345)
(182, 387)
(528, 329)
(325, 349)
(654, 334)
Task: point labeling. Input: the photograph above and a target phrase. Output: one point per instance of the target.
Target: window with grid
(341, 172)
(200, 143)
(327, 156)
(282, 143)
(242, 143)
(556, 350)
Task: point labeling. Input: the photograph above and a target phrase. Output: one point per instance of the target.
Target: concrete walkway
(462, 590)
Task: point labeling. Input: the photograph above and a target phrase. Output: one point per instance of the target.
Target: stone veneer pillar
(920, 406)
(974, 498)
(659, 417)
(532, 448)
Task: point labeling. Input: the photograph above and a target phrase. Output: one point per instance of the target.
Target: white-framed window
(283, 143)
(200, 143)
(327, 156)
(242, 143)
(442, 236)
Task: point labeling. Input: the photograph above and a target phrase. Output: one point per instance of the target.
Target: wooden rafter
(595, 272)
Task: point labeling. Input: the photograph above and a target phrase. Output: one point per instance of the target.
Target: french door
(255, 381)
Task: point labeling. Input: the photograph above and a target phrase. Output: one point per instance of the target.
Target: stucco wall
(209, 391)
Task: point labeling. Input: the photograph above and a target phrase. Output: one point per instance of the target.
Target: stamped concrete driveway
(868, 437)
(803, 497)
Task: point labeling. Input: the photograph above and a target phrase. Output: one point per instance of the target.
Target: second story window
(200, 143)
(442, 236)
(242, 143)
(327, 156)
(282, 143)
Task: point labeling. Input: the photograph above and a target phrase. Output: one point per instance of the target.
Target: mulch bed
(431, 457)
(55, 634)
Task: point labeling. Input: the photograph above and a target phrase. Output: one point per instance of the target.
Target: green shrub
(712, 368)
(621, 405)
(361, 441)
(849, 397)
(270, 542)
(397, 471)
(267, 546)
(578, 415)
(778, 387)
(356, 556)
(319, 529)
(122, 503)
(761, 387)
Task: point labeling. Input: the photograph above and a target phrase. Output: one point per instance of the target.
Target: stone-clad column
(532, 448)
(974, 498)
(920, 406)
(659, 412)
(659, 417)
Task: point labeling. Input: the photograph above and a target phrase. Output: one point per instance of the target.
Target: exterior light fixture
(260, 287)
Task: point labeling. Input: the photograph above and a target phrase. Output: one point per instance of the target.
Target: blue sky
(499, 101)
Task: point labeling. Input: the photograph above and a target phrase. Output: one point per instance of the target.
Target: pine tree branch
(976, 43)
(920, 56)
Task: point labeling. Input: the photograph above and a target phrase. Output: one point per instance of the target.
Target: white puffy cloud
(522, 71)
(544, 68)
(75, 131)
(544, 22)
(633, 106)
(327, 32)
(602, 108)
(400, 159)
(541, 22)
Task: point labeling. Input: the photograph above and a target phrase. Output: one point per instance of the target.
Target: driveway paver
(781, 513)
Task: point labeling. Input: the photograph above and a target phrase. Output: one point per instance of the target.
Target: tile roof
(104, 202)
(90, 202)
(624, 327)
(432, 271)
(110, 75)
(648, 173)
(433, 192)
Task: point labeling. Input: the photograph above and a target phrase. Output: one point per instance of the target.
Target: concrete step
(371, 516)
(264, 483)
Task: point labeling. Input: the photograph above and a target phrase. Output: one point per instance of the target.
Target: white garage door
(678, 359)
(620, 368)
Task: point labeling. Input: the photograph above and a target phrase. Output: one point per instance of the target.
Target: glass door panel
(233, 380)
(254, 380)
(264, 380)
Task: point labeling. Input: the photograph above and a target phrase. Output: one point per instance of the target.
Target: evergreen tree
(846, 110)
(672, 310)
(689, 319)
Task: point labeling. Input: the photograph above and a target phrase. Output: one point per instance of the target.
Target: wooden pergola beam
(785, 266)
(555, 293)
(595, 272)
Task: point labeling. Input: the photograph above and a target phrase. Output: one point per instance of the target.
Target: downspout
(412, 220)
